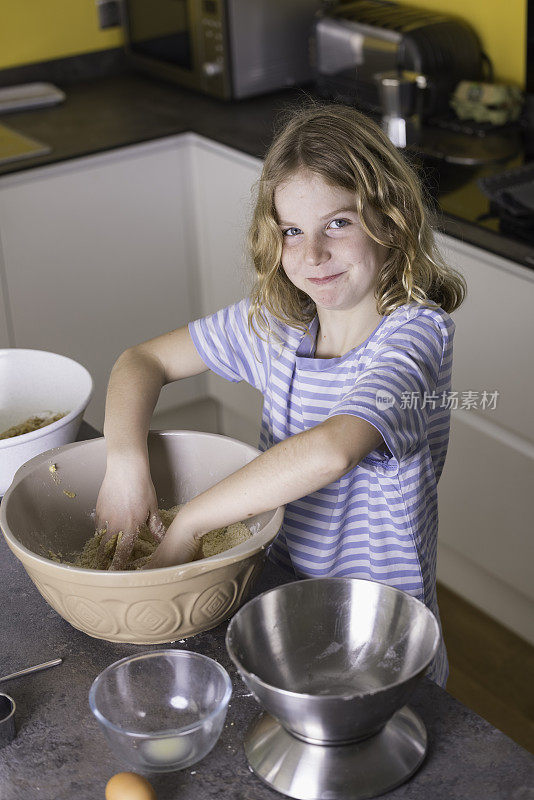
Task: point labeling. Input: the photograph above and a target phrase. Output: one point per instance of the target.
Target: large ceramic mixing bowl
(47, 511)
(332, 659)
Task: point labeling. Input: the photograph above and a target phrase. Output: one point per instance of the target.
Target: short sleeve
(228, 348)
(396, 389)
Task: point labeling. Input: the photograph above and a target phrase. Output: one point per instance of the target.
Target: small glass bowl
(163, 710)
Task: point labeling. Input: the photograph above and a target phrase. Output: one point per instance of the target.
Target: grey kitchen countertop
(112, 111)
(59, 752)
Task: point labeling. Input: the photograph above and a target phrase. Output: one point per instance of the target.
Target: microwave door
(162, 38)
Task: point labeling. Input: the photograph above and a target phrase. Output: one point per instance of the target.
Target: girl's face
(326, 252)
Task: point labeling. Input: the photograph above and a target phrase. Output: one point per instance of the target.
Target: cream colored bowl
(38, 515)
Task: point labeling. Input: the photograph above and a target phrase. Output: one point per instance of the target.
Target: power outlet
(109, 13)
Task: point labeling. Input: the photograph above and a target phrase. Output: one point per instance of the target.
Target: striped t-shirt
(380, 520)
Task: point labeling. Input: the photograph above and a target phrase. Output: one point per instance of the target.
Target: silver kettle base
(354, 771)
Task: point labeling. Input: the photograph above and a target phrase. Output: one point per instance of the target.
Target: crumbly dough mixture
(30, 424)
(212, 543)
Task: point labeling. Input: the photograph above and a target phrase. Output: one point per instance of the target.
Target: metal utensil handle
(29, 670)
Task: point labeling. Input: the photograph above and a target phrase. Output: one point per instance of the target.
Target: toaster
(353, 41)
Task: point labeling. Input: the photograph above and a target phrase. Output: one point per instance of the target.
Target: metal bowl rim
(331, 697)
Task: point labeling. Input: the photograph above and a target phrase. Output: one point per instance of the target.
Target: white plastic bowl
(33, 382)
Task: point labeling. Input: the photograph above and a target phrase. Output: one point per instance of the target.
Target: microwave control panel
(212, 47)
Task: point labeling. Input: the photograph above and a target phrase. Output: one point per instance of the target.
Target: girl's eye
(344, 221)
(335, 224)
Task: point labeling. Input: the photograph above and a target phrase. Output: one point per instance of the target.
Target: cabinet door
(485, 515)
(97, 260)
(495, 334)
(224, 200)
(485, 521)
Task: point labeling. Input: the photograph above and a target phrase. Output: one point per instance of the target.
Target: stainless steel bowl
(332, 659)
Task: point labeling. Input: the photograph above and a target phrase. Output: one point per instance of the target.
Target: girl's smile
(328, 279)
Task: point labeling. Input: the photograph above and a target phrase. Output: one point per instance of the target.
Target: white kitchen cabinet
(97, 257)
(485, 526)
(495, 334)
(224, 182)
(485, 523)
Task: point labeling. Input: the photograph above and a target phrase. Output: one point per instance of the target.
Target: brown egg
(129, 786)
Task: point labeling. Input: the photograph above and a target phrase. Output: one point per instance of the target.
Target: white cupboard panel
(495, 334)
(96, 258)
(485, 509)
(224, 201)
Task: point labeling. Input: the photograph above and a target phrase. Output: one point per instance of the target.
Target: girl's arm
(294, 468)
(136, 381)
(127, 497)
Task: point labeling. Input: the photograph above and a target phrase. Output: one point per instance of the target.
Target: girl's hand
(127, 498)
(180, 545)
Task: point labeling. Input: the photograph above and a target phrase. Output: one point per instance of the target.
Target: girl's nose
(315, 251)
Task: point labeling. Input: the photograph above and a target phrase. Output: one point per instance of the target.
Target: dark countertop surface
(59, 752)
(115, 111)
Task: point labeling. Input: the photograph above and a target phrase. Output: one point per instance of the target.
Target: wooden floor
(491, 669)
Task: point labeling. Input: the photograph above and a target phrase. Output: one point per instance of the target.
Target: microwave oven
(230, 49)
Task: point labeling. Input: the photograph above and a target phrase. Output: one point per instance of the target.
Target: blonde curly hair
(348, 150)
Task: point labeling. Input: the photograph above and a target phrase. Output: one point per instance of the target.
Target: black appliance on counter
(353, 41)
(511, 196)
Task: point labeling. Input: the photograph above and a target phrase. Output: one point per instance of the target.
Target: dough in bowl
(212, 543)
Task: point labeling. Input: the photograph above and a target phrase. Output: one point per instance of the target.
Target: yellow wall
(501, 26)
(39, 30)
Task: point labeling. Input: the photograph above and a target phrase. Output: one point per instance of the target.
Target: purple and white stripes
(380, 520)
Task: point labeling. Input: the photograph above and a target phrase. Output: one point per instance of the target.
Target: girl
(348, 336)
